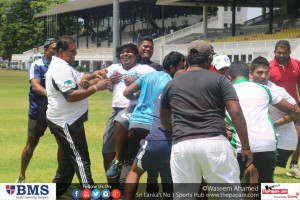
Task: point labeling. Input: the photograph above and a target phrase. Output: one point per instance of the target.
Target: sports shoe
(113, 169)
(294, 171)
(20, 180)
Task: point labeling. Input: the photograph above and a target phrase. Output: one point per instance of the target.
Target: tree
(20, 31)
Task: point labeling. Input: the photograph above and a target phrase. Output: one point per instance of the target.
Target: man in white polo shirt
(284, 125)
(67, 92)
(254, 100)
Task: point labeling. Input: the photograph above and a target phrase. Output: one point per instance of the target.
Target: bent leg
(121, 139)
(296, 153)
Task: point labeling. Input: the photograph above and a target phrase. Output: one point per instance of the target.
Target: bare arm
(130, 90)
(165, 117)
(234, 109)
(97, 74)
(78, 95)
(37, 87)
(284, 120)
(292, 110)
(129, 80)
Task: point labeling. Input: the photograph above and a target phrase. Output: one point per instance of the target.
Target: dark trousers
(75, 156)
(265, 163)
(131, 150)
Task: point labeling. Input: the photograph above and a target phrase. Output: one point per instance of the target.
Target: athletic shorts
(154, 154)
(283, 157)
(36, 127)
(124, 116)
(139, 126)
(109, 143)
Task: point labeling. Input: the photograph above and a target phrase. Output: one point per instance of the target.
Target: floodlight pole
(204, 21)
(116, 28)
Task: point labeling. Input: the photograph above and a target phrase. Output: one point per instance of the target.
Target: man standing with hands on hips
(67, 91)
(37, 124)
(285, 72)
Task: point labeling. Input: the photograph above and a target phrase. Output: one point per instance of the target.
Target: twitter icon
(96, 194)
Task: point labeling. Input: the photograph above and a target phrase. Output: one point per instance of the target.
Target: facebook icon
(76, 194)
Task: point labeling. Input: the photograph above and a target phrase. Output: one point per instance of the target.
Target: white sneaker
(294, 171)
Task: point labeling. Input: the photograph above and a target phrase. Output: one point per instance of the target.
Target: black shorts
(36, 127)
(283, 157)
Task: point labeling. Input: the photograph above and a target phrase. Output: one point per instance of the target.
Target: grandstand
(252, 37)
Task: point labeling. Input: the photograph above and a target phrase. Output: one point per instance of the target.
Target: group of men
(188, 128)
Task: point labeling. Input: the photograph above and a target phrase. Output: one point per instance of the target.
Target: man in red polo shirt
(285, 72)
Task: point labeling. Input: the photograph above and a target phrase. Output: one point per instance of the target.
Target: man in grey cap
(37, 106)
(200, 147)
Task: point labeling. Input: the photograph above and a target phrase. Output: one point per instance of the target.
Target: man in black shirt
(146, 47)
(199, 139)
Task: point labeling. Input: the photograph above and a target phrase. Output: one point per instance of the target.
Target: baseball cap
(221, 61)
(199, 47)
(49, 41)
(126, 44)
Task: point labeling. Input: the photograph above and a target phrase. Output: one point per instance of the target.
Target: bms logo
(27, 189)
(10, 189)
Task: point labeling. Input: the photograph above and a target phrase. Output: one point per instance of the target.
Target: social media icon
(105, 194)
(76, 194)
(86, 193)
(115, 194)
(96, 194)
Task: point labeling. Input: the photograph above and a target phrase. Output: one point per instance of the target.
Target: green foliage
(20, 31)
(3, 66)
(80, 68)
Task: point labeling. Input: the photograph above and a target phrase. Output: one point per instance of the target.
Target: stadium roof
(77, 5)
(241, 3)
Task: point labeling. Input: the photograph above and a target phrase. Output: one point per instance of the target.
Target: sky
(253, 12)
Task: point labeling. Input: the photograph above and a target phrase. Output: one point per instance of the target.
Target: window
(226, 8)
(236, 57)
(249, 57)
(243, 58)
(238, 9)
(230, 57)
(225, 25)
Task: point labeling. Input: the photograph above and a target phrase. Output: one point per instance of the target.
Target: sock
(293, 163)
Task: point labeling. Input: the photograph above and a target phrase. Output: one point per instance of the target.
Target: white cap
(221, 61)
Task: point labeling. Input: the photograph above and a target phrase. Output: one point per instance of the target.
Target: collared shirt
(62, 78)
(254, 99)
(38, 103)
(287, 76)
